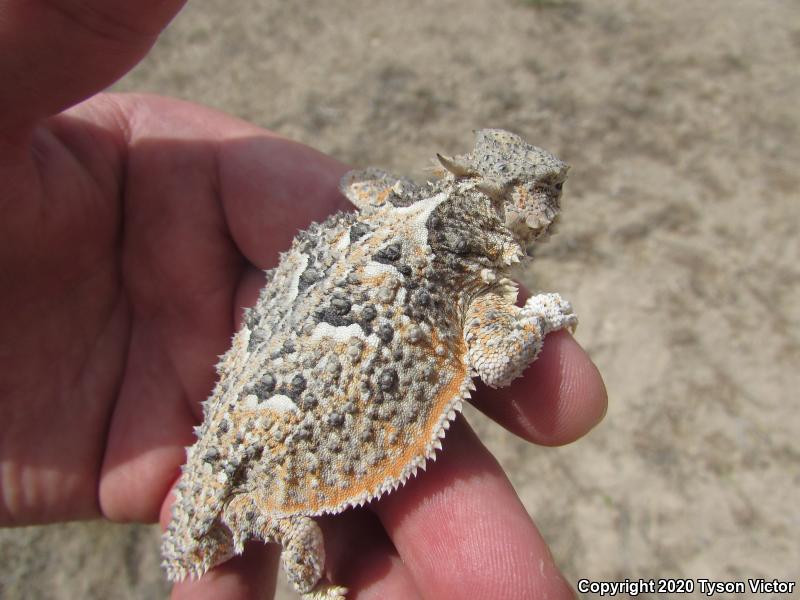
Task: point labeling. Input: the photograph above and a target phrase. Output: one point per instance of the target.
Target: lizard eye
(559, 185)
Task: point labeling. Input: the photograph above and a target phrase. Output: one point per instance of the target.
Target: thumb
(55, 53)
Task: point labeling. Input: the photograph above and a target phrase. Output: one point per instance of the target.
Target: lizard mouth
(543, 235)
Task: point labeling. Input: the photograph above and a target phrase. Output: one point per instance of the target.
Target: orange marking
(388, 469)
(382, 196)
(522, 196)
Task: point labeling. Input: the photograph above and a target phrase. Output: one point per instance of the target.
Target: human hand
(133, 229)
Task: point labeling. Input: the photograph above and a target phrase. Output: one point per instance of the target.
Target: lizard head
(524, 181)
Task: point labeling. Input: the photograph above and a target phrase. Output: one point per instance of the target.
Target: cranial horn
(493, 188)
(457, 168)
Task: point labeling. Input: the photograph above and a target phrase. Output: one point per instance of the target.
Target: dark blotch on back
(211, 455)
(388, 254)
(336, 419)
(307, 402)
(334, 316)
(264, 387)
(309, 277)
(404, 269)
(358, 230)
(422, 298)
(385, 332)
(257, 336)
(296, 387)
(250, 318)
(387, 380)
(341, 306)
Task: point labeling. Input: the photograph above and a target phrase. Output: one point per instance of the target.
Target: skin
(133, 230)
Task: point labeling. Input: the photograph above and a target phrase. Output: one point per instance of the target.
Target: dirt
(679, 248)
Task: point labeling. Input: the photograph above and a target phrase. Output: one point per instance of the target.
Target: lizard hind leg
(303, 548)
(304, 558)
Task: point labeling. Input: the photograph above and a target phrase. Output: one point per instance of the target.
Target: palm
(126, 269)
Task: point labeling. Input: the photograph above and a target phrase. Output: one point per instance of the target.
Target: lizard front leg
(503, 339)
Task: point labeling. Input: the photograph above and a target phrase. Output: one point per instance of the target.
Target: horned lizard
(362, 346)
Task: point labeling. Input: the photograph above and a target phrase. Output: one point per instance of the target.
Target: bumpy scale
(360, 350)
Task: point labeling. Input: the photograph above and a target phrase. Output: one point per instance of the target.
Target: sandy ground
(679, 249)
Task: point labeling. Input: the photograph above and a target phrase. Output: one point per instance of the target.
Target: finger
(54, 53)
(268, 187)
(463, 533)
(559, 398)
(271, 188)
(250, 575)
(362, 558)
